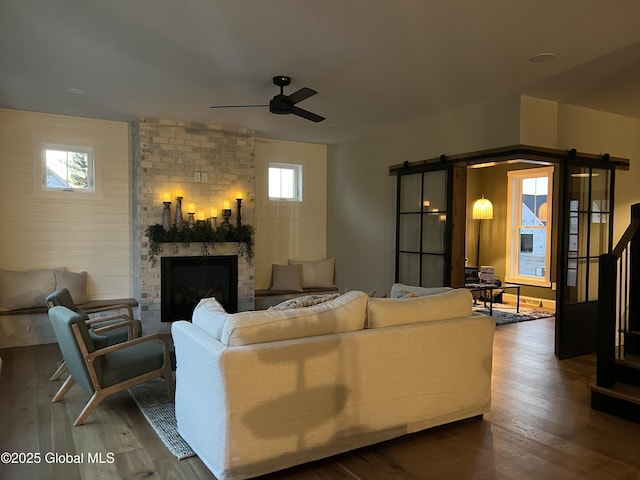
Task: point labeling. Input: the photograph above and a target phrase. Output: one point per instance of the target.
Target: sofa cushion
(388, 312)
(76, 283)
(286, 277)
(345, 313)
(28, 289)
(210, 316)
(316, 274)
(400, 290)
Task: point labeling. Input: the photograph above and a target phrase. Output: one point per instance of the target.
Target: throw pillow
(345, 313)
(76, 283)
(286, 278)
(400, 290)
(19, 290)
(316, 274)
(304, 301)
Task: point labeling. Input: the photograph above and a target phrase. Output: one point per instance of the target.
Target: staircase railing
(618, 307)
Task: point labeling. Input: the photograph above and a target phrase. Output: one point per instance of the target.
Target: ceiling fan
(283, 104)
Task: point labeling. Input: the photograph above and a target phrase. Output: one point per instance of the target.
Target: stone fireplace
(208, 164)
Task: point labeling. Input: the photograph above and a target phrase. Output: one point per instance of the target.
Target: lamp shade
(482, 209)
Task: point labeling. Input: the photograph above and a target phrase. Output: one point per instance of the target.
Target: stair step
(621, 391)
(622, 400)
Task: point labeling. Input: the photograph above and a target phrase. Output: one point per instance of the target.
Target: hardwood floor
(540, 426)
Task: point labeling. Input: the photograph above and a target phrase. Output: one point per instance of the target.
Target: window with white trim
(529, 210)
(68, 168)
(285, 182)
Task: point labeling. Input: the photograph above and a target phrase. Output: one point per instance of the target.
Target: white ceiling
(375, 63)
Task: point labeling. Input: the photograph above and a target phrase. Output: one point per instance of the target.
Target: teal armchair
(104, 371)
(112, 329)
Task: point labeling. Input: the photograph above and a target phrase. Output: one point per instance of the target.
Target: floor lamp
(482, 210)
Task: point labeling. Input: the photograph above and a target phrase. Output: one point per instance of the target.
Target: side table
(488, 288)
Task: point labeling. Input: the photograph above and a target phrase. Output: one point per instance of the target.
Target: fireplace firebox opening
(187, 280)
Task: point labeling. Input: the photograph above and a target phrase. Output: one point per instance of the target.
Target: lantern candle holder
(239, 217)
(166, 216)
(178, 213)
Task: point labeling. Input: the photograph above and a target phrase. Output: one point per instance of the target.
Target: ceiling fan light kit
(283, 104)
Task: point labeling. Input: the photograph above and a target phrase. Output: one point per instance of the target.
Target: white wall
(592, 131)
(589, 131)
(287, 230)
(361, 194)
(81, 233)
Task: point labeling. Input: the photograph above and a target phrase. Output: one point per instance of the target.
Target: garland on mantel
(200, 233)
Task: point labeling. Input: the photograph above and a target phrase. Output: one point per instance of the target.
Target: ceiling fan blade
(301, 95)
(306, 114)
(237, 106)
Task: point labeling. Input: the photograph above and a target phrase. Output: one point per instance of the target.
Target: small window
(68, 168)
(285, 182)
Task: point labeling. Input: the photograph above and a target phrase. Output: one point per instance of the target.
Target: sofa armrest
(201, 394)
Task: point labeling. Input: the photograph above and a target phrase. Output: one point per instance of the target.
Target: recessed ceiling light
(76, 91)
(542, 57)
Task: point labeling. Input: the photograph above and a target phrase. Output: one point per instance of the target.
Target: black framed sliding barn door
(425, 213)
(586, 232)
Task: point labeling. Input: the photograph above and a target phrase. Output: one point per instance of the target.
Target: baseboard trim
(532, 302)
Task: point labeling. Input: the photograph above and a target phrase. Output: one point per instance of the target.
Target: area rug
(507, 313)
(153, 401)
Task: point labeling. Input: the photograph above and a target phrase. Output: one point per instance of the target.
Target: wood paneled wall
(82, 233)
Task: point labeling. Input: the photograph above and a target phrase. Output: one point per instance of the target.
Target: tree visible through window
(529, 226)
(68, 168)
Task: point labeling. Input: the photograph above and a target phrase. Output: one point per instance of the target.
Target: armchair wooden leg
(166, 370)
(171, 387)
(62, 367)
(93, 402)
(64, 388)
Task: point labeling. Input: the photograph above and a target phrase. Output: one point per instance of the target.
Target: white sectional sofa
(261, 391)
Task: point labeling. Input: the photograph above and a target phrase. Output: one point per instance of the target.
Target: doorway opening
(582, 191)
